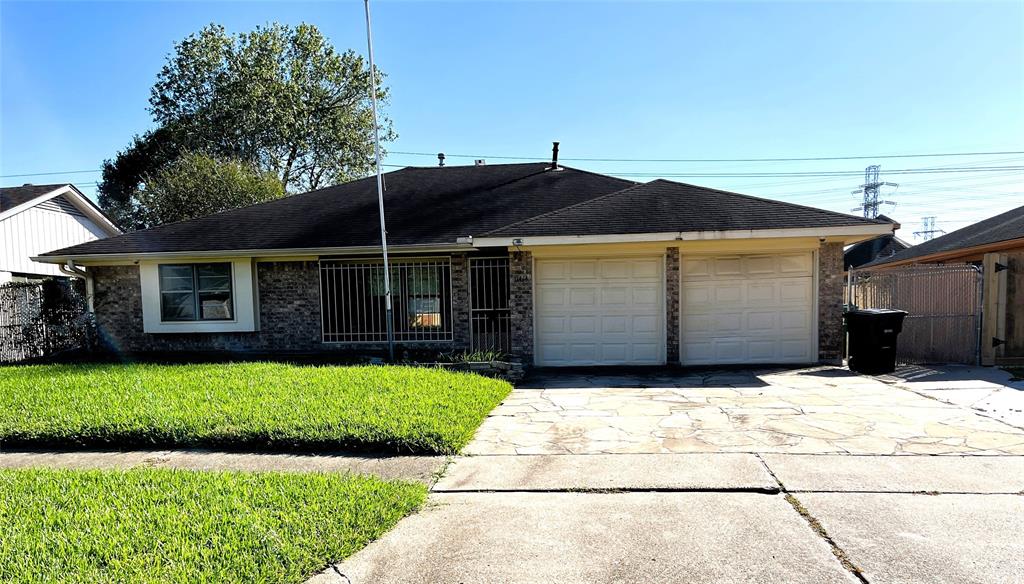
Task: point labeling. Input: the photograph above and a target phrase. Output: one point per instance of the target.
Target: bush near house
(245, 406)
(157, 525)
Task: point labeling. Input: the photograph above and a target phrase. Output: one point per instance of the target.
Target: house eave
(847, 234)
(102, 258)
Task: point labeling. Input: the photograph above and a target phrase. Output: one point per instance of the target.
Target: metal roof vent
(479, 162)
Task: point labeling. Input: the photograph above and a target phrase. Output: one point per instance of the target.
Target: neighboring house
(881, 247)
(996, 245)
(38, 218)
(554, 265)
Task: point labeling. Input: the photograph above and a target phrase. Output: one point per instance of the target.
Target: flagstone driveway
(817, 410)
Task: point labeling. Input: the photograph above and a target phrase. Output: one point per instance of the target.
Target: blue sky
(609, 80)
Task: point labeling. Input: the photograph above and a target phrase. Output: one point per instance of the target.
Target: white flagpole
(380, 189)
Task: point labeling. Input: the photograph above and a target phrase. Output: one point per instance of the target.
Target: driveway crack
(816, 526)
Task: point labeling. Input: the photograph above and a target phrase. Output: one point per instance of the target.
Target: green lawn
(150, 525)
(244, 405)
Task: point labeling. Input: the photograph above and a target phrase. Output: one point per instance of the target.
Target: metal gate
(489, 315)
(943, 302)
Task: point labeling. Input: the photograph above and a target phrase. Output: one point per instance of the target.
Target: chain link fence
(42, 319)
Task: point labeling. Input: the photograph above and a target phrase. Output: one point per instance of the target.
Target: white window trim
(244, 300)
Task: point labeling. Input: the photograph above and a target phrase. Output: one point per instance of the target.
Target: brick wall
(521, 304)
(460, 300)
(289, 315)
(830, 303)
(672, 306)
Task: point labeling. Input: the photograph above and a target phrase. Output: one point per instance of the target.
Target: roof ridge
(567, 207)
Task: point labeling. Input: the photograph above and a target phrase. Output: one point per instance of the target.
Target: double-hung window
(195, 292)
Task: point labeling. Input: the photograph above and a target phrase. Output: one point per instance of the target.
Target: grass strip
(245, 406)
(158, 525)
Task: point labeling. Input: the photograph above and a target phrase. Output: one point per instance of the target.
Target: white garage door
(747, 309)
(606, 311)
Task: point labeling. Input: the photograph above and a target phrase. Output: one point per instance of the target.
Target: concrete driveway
(721, 477)
(808, 411)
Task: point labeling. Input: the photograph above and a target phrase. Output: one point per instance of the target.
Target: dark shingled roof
(436, 205)
(667, 206)
(1007, 226)
(11, 197)
(871, 250)
(423, 205)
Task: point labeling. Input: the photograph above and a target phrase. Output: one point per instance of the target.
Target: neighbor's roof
(1004, 227)
(666, 206)
(437, 205)
(423, 205)
(11, 197)
(864, 252)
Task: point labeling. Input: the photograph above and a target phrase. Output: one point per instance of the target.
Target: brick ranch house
(554, 265)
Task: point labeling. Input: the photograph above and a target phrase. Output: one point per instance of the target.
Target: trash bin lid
(876, 311)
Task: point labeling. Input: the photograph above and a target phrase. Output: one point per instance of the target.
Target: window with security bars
(354, 308)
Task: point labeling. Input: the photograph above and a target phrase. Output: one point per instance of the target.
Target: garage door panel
(649, 269)
(795, 291)
(583, 324)
(747, 309)
(758, 321)
(646, 296)
(615, 270)
(552, 297)
(647, 352)
(796, 264)
(727, 323)
(615, 312)
(583, 270)
(729, 294)
(583, 296)
(614, 297)
(646, 325)
(551, 324)
(614, 324)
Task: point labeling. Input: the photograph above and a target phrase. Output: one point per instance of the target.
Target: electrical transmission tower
(871, 189)
(928, 229)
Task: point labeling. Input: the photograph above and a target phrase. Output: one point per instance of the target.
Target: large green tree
(197, 184)
(279, 97)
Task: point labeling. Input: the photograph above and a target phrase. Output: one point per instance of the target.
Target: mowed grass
(157, 525)
(244, 405)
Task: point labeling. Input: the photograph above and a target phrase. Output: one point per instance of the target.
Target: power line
(824, 173)
(49, 173)
(795, 159)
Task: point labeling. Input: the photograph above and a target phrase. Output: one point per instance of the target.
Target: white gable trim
(76, 198)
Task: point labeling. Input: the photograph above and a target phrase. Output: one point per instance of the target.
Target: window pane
(377, 280)
(215, 305)
(424, 280)
(177, 306)
(424, 312)
(214, 277)
(175, 278)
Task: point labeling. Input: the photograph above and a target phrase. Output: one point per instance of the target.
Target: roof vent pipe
(479, 162)
(440, 158)
(554, 156)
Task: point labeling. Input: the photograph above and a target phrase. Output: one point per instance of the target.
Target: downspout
(76, 272)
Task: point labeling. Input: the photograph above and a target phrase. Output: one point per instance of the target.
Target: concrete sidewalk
(708, 518)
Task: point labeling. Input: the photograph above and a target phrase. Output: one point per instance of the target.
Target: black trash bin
(872, 339)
